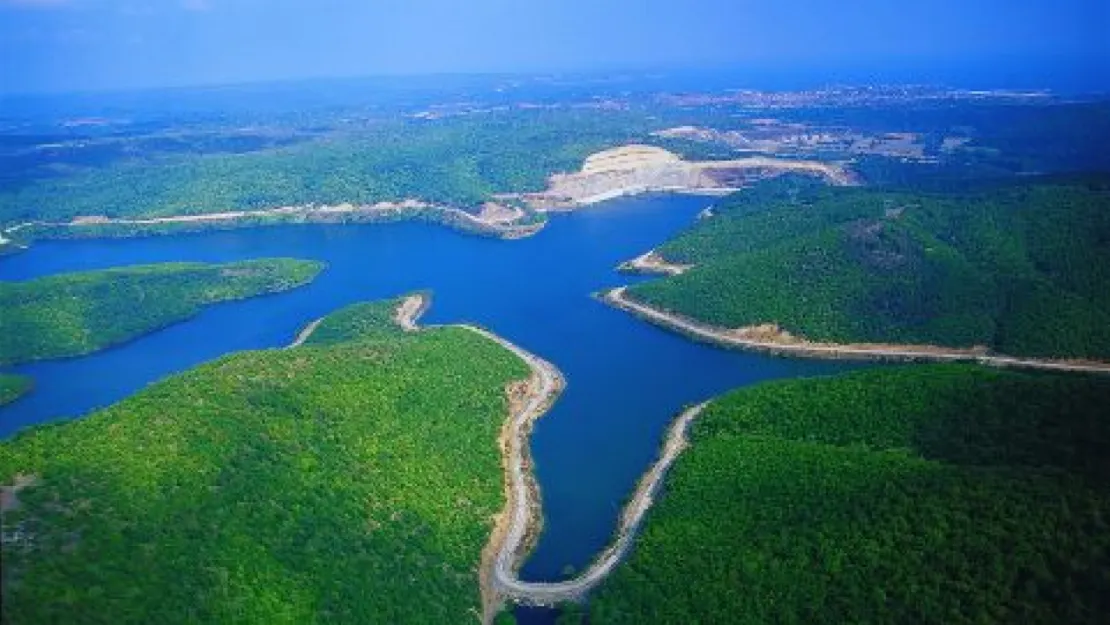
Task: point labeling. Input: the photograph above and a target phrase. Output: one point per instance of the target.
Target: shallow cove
(626, 379)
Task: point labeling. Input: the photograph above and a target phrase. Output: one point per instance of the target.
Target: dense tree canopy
(351, 481)
(1018, 267)
(932, 494)
(350, 155)
(78, 313)
(459, 162)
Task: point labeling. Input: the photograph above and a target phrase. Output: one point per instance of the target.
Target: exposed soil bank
(305, 332)
(576, 589)
(652, 264)
(517, 526)
(494, 220)
(621, 171)
(633, 169)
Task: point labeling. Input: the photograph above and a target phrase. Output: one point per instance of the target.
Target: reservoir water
(626, 379)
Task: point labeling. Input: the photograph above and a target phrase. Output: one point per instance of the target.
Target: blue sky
(62, 45)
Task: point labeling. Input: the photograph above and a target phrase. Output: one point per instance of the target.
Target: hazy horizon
(49, 46)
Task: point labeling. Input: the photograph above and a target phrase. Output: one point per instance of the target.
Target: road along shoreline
(770, 339)
(576, 589)
(621, 171)
(497, 221)
(517, 526)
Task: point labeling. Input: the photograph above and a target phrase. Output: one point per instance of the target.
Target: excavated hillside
(633, 169)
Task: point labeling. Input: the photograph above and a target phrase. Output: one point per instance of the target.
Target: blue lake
(626, 379)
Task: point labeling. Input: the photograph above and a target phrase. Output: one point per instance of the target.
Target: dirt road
(729, 338)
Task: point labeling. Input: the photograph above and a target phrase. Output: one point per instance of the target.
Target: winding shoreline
(502, 224)
(743, 338)
(517, 526)
(575, 590)
(621, 171)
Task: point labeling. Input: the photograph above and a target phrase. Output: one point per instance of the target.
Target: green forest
(354, 479)
(368, 320)
(928, 494)
(1020, 267)
(463, 160)
(12, 387)
(459, 162)
(349, 480)
(79, 313)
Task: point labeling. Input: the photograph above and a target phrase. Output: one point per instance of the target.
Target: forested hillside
(370, 320)
(351, 481)
(458, 162)
(441, 155)
(1020, 267)
(930, 494)
(78, 313)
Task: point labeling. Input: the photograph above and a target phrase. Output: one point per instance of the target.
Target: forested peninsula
(352, 479)
(1016, 268)
(80, 313)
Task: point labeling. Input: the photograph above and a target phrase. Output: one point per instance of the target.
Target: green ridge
(348, 482)
(1018, 267)
(368, 320)
(931, 494)
(458, 161)
(79, 313)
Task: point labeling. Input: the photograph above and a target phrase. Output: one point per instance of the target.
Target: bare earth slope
(625, 170)
(633, 169)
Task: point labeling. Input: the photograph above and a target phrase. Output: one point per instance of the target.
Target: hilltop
(353, 479)
(636, 168)
(925, 494)
(80, 313)
(1016, 268)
